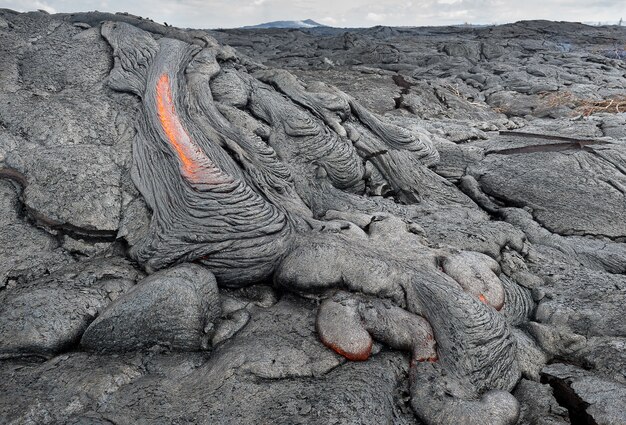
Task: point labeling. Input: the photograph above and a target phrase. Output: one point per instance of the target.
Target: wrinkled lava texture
(364, 226)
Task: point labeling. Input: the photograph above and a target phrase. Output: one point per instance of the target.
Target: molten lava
(358, 356)
(196, 166)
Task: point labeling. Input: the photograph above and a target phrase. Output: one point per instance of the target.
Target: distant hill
(307, 23)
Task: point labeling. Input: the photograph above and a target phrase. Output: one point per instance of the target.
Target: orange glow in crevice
(416, 360)
(358, 356)
(195, 165)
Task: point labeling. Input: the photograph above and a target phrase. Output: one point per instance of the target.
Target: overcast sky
(343, 13)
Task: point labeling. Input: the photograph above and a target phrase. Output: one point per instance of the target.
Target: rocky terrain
(373, 226)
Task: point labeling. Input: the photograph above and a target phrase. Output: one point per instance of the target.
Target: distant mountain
(307, 23)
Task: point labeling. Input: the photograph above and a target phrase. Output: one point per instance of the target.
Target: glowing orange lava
(196, 167)
(431, 359)
(482, 298)
(172, 126)
(358, 356)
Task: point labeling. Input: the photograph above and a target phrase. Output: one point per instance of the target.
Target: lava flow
(196, 166)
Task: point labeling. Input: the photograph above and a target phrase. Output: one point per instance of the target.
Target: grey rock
(594, 310)
(19, 241)
(132, 139)
(588, 396)
(175, 308)
(572, 192)
(346, 392)
(49, 315)
(308, 383)
(289, 376)
(538, 405)
(73, 169)
(83, 180)
(598, 254)
(607, 356)
(32, 393)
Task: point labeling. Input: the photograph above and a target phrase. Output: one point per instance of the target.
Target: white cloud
(455, 14)
(46, 7)
(375, 17)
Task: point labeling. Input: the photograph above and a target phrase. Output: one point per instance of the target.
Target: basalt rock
(588, 397)
(378, 260)
(48, 315)
(246, 208)
(176, 308)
